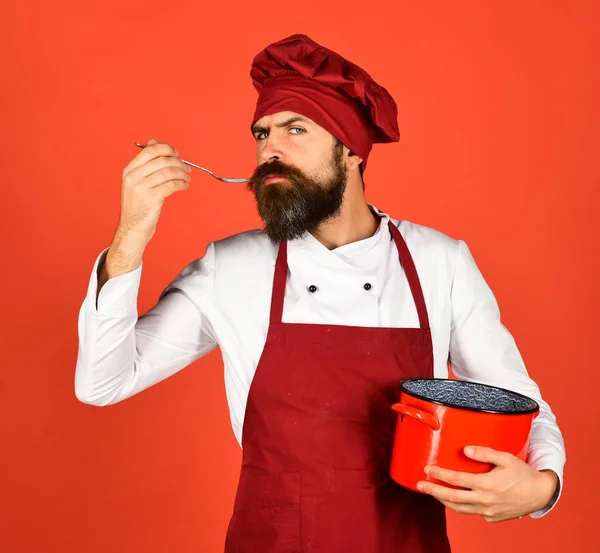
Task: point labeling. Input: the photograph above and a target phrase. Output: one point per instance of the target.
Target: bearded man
(319, 316)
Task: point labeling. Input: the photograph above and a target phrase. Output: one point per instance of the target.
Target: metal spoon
(224, 179)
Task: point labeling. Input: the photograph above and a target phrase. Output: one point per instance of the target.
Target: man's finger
(489, 455)
(462, 479)
(443, 493)
(463, 508)
(150, 152)
(157, 164)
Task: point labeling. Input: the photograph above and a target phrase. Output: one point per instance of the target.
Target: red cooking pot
(438, 418)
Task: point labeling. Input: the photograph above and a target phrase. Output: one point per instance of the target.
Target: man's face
(312, 177)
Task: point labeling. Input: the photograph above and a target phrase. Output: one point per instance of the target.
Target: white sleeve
(482, 350)
(120, 354)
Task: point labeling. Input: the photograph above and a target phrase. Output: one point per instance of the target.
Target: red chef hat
(297, 74)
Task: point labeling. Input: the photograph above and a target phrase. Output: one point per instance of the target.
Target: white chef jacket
(223, 300)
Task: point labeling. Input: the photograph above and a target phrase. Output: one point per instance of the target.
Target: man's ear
(352, 160)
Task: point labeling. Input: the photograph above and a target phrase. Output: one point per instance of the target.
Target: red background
(499, 117)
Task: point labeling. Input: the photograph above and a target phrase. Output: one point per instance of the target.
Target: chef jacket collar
(308, 241)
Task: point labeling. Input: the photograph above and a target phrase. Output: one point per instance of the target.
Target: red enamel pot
(438, 418)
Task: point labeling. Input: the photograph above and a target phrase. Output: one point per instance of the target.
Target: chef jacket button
(367, 286)
(312, 288)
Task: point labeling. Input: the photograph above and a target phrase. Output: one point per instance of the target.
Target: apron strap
(281, 269)
(279, 280)
(410, 270)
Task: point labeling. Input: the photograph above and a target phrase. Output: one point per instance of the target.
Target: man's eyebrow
(259, 129)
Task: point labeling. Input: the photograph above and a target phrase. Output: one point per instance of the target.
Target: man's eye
(259, 136)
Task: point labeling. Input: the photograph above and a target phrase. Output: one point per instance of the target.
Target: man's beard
(290, 208)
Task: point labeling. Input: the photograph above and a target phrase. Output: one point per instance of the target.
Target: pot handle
(415, 413)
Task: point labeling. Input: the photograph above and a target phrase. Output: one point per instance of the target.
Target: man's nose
(272, 150)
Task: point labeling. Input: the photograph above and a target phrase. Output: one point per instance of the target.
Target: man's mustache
(273, 169)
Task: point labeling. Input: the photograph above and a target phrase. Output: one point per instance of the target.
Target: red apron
(318, 435)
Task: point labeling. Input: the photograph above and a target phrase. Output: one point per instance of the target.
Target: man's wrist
(549, 485)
